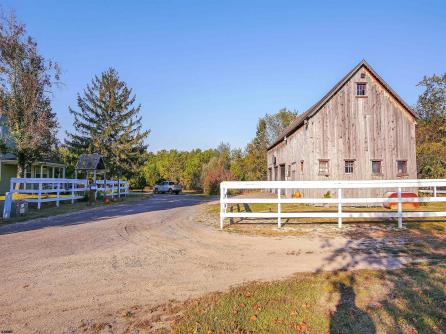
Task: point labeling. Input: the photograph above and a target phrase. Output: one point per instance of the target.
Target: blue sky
(205, 71)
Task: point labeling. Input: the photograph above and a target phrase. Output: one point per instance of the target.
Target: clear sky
(205, 71)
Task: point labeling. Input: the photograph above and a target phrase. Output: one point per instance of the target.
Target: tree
(276, 123)
(108, 123)
(269, 128)
(431, 129)
(255, 160)
(26, 79)
(217, 170)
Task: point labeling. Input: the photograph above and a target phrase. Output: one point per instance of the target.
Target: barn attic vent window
(360, 89)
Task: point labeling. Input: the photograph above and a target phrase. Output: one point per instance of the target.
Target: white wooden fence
(57, 190)
(398, 186)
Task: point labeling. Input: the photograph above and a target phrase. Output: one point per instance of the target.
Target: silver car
(168, 187)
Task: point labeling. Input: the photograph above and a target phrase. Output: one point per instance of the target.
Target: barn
(360, 130)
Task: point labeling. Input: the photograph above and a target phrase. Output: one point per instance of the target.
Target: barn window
(348, 166)
(401, 167)
(301, 166)
(376, 167)
(293, 171)
(360, 89)
(323, 167)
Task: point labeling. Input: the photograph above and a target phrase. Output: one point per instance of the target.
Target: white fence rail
(57, 190)
(397, 186)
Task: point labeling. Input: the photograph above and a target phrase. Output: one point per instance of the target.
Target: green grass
(411, 300)
(50, 209)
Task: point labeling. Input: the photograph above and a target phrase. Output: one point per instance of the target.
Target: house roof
(12, 158)
(93, 161)
(299, 121)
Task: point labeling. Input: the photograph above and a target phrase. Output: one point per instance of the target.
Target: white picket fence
(57, 190)
(398, 186)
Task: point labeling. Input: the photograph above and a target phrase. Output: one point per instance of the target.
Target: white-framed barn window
(361, 89)
(348, 166)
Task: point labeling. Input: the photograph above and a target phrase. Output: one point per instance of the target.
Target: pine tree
(108, 123)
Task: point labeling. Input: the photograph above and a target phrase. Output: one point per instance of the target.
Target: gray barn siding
(350, 127)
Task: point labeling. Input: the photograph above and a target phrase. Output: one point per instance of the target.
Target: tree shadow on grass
(416, 298)
(349, 318)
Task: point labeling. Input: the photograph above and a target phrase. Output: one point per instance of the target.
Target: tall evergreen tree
(108, 123)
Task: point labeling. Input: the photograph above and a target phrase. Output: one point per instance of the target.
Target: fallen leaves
(300, 326)
(253, 318)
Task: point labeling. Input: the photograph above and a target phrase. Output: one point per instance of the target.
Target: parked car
(168, 187)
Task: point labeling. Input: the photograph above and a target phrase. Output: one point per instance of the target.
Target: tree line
(107, 121)
(205, 169)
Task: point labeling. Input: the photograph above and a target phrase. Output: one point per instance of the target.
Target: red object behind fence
(394, 205)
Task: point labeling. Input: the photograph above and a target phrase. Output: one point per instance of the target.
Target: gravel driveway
(60, 274)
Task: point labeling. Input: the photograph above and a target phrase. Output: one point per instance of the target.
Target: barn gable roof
(299, 121)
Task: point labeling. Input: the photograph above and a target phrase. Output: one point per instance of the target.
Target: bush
(213, 173)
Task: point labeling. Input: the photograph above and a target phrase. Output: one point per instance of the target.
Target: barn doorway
(282, 172)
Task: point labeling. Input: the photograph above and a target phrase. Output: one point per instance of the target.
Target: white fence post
(39, 196)
(435, 191)
(279, 209)
(58, 194)
(72, 191)
(222, 206)
(339, 207)
(400, 209)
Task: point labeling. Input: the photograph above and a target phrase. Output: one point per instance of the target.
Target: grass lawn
(411, 300)
(50, 209)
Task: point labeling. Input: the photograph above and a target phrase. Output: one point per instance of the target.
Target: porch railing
(430, 187)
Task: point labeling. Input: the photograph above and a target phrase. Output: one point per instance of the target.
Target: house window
(301, 166)
(289, 171)
(348, 166)
(270, 174)
(360, 89)
(376, 167)
(401, 167)
(28, 172)
(323, 167)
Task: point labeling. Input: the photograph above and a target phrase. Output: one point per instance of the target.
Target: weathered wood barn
(360, 130)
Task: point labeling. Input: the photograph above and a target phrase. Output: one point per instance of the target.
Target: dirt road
(63, 274)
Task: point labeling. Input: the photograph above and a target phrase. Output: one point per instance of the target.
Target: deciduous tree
(431, 128)
(26, 80)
